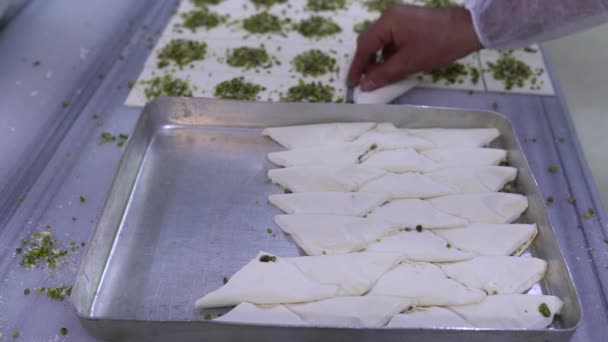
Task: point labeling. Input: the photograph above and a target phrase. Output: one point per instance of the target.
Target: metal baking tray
(188, 207)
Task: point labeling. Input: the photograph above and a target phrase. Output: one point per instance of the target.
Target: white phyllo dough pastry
(345, 178)
(301, 136)
(338, 154)
(426, 284)
(493, 207)
(420, 245)
(515, 311)
(267, 279)
(247, 313)
(352, 312)
(429, 317)
(332, 234)
(333, 203)
(491, 239)
(410, 213)
(446, 137)
(497, 274)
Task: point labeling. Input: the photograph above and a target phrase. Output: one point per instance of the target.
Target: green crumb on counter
(82, 199)
(362, 26)
(288, 191)
(316, 26)
(225, 280)
(309, 92)
(267, 3)
(208, 317)
(268, 258)
(65, 104)
(18, 250)
(456, 73)
(248, 57)
(204, 3)
(562, 139)
(314, 63)
(381, 5)
(21, 198)
(269, 230)
(237, 89)
(325, 5)
(263, 23)
(530, 50)
(419, 228)
(166, 85)
(131, 84)
(15, 333)
(440, 3)
(510, 70)
(26, 292)
(202, 17)
(447, 245)
(63, 331)
(550, 199)
(544, 310)
(589, 214)
(323, 252)
(181, 52)
(42, 247)
(494, 292)
(571, 200)
(552, 169)
(59, 293)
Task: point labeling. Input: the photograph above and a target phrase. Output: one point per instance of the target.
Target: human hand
(412, 39)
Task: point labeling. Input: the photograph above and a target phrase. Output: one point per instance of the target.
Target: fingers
(368, 43)
(392, 70)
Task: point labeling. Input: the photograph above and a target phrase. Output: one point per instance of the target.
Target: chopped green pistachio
(123, 136)
(324, 253)
(248, 57)
(494, 292)
(419, 228)
(373, 147)
(314, 63)
(202, 17)
(15, 333)
(510, 70)
(131, 84)
(288, 191)
(21, 198)
(550, 199)
(552, 169)
(508, 187)
(562, 139)
(309, 92)
(65, 104)
(571, 200)
(544, 310)
(225, 280)
(268, 258)
(95, 116)
(440, 3)
(82, 199)
(530, 50)
(316, 26)
(63, 331)
(36, 63)
(181, 52)
(494, 106)
(24, 241)
(263, 23)
(59, 293)
(208, 317)
(18, 250)
(166, 85)
(447, 245)
(325, 5)
(106, 137)
(381, 5)
(26, 292)
(204, 3)
(42, 246)
(238, 89)
(269, 230)
(589, 213)
(267, 3)
(362, 26)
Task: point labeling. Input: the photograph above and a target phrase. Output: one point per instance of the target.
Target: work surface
(50, 154)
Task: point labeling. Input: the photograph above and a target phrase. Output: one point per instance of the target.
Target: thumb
(392, 70)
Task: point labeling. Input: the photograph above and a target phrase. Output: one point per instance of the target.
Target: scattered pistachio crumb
(208, 317)
(317, 26)
(494, 106)
(181, 52)
(249, 57)
(82, 199)
(589, 213)
(550, 199)
(268, 258)
(21, 198)
(448, 245)
(202, 17)
(562, 139)
(324, 253)
(18, 250)
(269, 230)
(544, 310)
(225, 280)
(288, 191)
(42, 246)
(552, 169)
(494, 292)
(166, 85)
(65, 104)
(237, 89)
(314, 62)
(571, 200)
(263, 23)
(325, 5)
(419, 228)
(26, 292)
(510, 70)
(59, 293)
(15, 333)
(63, 331)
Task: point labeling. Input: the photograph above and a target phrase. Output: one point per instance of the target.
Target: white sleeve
(518, 23)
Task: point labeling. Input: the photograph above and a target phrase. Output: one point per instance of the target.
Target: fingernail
(368, 84)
